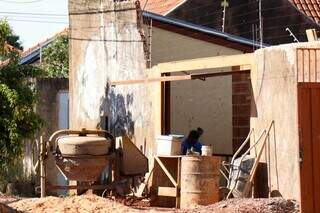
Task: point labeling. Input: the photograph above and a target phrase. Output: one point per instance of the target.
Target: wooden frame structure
(170, 166)
(164, 73)
(238, 63)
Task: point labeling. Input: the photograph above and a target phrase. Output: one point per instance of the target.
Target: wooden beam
(311, 35)
(216, 74)
(167, 191)
(150, 80)
(144, 184)
(243, 61)
(201, 76)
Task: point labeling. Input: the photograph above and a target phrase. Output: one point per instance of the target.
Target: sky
(35, 20)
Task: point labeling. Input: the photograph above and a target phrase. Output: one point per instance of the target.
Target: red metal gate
(308, 77)
(309, 134)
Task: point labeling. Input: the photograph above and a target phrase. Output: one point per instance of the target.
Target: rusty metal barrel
(199, 180)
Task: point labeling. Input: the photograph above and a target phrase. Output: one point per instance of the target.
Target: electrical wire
(21, 2)
(33, 14)
(38, 21)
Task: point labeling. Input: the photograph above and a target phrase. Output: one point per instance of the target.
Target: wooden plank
(315, 110)
(167, 191)
(200, 76)
(178, 200)
(144, 184)
(311, 35)
(306, 177)
(166, 171)
(244, 61)
(150, 80)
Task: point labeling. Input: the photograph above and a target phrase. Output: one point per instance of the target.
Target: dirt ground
(93, 203)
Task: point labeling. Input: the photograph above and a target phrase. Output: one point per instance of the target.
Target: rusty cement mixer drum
(199, 180)
(82, 158)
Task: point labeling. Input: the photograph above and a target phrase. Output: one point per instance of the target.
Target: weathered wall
(47, 108)
(106, 45)
(207, 104)
(274, 83)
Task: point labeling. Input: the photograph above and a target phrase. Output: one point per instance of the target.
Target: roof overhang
(203, 33)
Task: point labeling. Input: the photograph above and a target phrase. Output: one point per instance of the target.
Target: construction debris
(93, 203)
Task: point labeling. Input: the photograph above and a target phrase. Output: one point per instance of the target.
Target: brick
(243, 77)
(236, 143)
(241, 88)
(241, 99)
(241, 121)
(241, 110)
(240, 132)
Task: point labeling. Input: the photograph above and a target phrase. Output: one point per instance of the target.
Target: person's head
(193, 136)
(200, 131)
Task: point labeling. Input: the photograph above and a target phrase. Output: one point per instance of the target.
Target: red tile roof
(309, 7)
(161, 7)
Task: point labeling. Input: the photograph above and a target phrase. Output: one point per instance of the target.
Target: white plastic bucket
(206, 150)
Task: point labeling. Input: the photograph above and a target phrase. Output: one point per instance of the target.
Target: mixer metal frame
(51, 145)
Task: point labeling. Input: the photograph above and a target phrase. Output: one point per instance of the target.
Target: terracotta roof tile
(310, 8)
(161, 7)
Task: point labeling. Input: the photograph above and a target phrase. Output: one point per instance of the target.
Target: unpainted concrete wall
(274, 82)
(47, 108)
(206, 104)
(106, 46)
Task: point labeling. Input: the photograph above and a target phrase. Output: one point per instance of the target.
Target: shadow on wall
(115, 114)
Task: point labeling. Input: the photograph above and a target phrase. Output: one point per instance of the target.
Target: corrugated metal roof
(202, 29)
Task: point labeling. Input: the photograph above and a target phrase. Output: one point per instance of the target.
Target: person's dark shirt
(187, 144)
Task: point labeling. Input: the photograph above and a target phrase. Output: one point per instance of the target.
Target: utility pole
(224, 4)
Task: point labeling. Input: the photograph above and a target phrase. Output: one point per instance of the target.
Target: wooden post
(311, 35)
(42, 167)
(178, 184)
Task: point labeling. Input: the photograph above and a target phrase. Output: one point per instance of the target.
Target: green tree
(18, 121)
(5, 31)
(14, 40)
(56, 58)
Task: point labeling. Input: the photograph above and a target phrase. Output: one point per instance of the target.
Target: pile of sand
(96, 204)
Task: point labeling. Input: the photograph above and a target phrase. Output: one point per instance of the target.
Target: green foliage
(18, 121)
(56, 58)
(5, 31)
(14, 41)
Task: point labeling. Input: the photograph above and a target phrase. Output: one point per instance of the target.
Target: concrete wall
(47, 108)
(106, 46)
(274, 85)
(207, 104)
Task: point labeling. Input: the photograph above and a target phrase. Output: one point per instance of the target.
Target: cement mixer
(81, 156)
